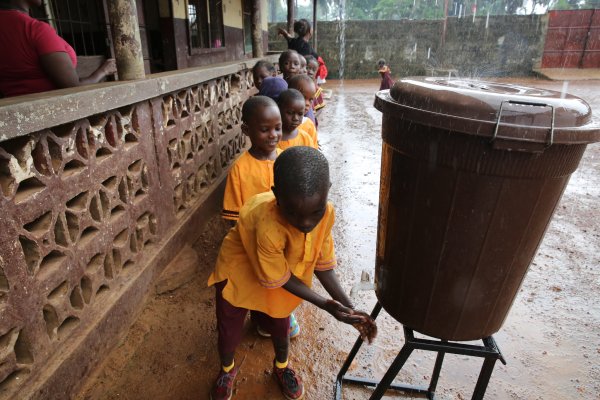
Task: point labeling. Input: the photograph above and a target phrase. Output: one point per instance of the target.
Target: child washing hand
(267, 262)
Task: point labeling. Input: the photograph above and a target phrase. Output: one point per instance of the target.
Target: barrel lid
(500, 111)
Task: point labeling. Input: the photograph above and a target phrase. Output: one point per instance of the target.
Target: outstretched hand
(342, 313)
(283, 32)
(367, 327)
(362, 321)
(359, 319)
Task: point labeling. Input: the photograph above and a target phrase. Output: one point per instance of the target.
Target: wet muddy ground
(551, 338)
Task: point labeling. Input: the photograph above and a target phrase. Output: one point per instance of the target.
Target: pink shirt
(22, 41)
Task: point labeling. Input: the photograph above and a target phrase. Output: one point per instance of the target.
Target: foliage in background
(332, 10)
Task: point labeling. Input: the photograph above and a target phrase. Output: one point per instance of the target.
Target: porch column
(257, 42)
(126, 39)
(291, 4)
(444, 25)
(314, 33)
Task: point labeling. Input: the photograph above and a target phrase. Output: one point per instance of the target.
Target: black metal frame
(84, 25)
(489, 352)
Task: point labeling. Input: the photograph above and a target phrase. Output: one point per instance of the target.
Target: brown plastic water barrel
(471, 173)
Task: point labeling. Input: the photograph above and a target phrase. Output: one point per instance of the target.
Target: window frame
(205, 50)
(78, 18)
(247, 31)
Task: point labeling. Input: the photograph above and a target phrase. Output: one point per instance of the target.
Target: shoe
(223, 387)
(294, 328)
(262, 332)
(290, 384)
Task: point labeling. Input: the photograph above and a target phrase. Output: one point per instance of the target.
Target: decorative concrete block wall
(93, 208)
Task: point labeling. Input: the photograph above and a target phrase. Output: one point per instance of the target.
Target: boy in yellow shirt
(291, 107)
(252, 173)
(267, 261)
(305, 85)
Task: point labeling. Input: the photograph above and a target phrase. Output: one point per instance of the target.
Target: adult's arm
(108, 67)
(60, 70)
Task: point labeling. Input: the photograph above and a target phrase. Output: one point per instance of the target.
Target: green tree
(392, 9)
(428, 9)
(574, 4)
(328, 10)
(360, 9)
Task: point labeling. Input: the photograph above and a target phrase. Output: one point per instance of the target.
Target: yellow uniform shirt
(263, 250)
(302, 139)
(247, 177)
(309, 127)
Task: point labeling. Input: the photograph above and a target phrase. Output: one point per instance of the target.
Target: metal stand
(489, 352)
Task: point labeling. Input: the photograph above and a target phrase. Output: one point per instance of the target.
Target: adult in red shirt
(34, 58)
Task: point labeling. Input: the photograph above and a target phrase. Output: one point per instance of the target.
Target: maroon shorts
(230, 322)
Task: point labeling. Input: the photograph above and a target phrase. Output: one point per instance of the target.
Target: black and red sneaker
(223, 387)
(289, 383)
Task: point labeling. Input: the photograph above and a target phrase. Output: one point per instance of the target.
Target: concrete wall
(100, 186)
(175, 30)
(509, 45)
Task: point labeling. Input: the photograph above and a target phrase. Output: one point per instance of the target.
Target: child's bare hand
(362, 321)
(367, 327)
(283, 32)
(342, 313)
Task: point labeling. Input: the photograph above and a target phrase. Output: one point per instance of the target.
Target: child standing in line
(302, 64)
(289, 63)
(386, 77)
(252, 172)
(307, 87)
(312, 66)
(291, 107)
(261, 70)
(272, 87)
(267, 261)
